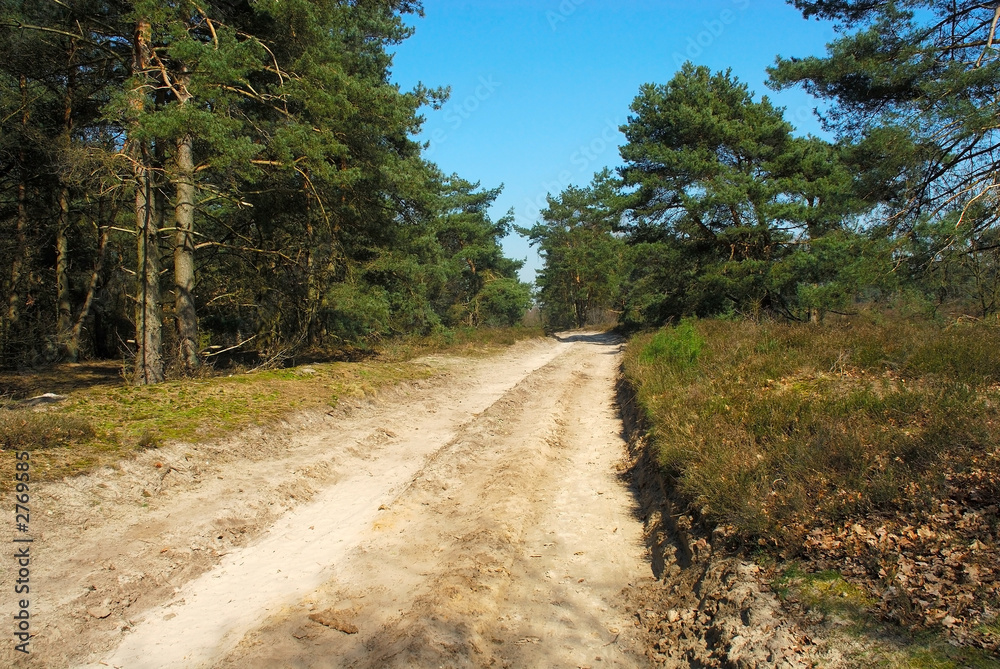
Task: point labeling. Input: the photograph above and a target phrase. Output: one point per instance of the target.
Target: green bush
(677, 347)
(503, 303)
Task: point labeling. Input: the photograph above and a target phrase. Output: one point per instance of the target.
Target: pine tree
(914, 83)
(718, 191)
(584, 259)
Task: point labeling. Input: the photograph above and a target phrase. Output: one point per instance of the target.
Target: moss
(884, 645)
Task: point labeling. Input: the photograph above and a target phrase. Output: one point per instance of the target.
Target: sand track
(480, 519)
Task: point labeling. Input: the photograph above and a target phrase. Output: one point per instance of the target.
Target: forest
(721, 209)
(183, 181)
(180, 181)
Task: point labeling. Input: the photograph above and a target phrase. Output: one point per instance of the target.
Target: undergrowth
(773, 428)
(866, 448)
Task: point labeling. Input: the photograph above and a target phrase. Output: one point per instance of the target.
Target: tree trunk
(64, 314)
(20, 241)
(184, 270)
(148, 324)
(73, 341)
(64, 310)
(312, 282)
(17, 263)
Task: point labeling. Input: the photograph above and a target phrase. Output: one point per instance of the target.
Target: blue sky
(540, 87)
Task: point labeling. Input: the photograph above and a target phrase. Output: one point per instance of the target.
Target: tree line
(720, 209)
(183, 178)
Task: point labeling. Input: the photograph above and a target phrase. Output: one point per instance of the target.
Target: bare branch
(993, 32)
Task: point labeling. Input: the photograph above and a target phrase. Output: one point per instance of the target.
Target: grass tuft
(28, 430)
(149, 440)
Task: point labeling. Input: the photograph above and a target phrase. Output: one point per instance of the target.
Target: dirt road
(478, 519)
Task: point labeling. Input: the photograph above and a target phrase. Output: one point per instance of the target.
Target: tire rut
(469, 566)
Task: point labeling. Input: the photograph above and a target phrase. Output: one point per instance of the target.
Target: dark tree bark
(64, 309)
(13, 314)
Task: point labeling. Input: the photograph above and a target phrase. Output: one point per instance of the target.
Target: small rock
(673, 616)
(99, 611)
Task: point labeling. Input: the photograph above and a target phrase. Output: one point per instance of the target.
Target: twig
(993, 32)
(209, 355)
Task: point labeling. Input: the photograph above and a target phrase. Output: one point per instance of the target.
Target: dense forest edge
(186, 184)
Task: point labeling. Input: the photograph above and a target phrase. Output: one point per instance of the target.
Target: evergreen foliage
(914, 83)
(245, 174)
(723, 203)
(583, 257)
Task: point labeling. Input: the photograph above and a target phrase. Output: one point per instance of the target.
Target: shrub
(787, 427)
(676, 347)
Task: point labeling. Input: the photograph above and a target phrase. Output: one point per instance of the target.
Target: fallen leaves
(936, 564)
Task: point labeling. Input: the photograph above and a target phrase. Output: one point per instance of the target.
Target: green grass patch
(677, 348)
(825, 591)
(202, 409)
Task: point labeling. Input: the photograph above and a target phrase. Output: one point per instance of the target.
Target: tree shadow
(599, 338)
(60, 379)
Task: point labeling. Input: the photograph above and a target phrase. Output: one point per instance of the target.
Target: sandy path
(509, 549)
(475, 520)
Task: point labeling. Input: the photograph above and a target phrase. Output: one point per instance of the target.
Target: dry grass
(773, 429)
(866, 449)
